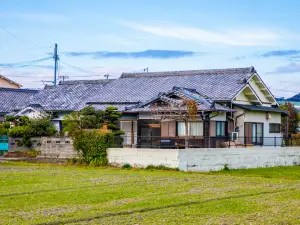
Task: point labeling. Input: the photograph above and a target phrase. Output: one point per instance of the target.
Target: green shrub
(127, 166)
(226, 168)
(160, 167)
(3, 130)
(28, 128)
(6, 125)
(92, 146)
(72, 161)
(32, 153)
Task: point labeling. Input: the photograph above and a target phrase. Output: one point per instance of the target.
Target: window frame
(274, 131)
(224, 126)
(189, 124)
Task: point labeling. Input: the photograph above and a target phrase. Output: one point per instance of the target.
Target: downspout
(235, 121)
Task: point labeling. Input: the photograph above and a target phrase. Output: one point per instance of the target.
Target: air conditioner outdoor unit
(234, 136)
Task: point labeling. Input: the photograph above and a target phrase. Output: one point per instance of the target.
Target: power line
(80, 69)
(17, 37)
(11, 66)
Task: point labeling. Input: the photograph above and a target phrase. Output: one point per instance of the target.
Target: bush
(127, 166)
(32, 153)
(226, 168)
(3, 130)
(160, 167)
(32, 128)
(72, 161)
(92, 146)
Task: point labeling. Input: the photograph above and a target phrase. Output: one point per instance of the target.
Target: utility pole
(63, 78)
(55, 57)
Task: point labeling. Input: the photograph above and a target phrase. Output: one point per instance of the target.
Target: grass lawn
(48, 194)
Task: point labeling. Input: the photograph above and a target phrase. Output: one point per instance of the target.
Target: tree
(89, 118)
(184, 110)
(111, 117)
(27, 128)
(293, 118)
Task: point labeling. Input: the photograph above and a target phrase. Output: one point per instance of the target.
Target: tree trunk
(186, 141)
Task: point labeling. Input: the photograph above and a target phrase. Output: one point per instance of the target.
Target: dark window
(220, 131)
(275, 128)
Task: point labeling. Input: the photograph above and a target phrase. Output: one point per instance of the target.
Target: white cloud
(248, 37)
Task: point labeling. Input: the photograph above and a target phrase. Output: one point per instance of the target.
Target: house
(254, 114)
(7, 83)
(57, 100)
(14, 100)
(230, 102)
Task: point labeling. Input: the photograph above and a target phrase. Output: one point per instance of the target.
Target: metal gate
(3, 144)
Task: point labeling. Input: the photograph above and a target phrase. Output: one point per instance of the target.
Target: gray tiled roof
(219, 84)
(100, 81)
(14, 98)
(131, 88)
(121, 107)
(176, 96)
(261, 108)
(65, 97)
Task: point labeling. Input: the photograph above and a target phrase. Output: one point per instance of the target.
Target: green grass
(49, 194)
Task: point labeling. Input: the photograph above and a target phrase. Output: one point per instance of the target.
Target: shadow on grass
(143, 210)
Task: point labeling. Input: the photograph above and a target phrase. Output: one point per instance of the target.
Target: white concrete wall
(206, 159)
(142, 157)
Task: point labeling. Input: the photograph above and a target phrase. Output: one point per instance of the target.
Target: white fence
(206, 159)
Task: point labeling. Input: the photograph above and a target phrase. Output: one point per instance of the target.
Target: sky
(98, 37)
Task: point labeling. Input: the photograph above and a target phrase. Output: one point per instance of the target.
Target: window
(194, 129)
(220, 128)
(275, 128)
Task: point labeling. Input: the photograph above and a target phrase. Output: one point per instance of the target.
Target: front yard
(48, 194)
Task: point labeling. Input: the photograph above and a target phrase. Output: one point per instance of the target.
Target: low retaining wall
(206, 159)
(16, 144)
(215, 159)
(142, 157)
(50, 147)
(57, 147)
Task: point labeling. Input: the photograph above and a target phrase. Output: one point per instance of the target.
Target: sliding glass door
(254, 133)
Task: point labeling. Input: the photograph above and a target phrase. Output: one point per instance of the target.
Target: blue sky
(99, 37)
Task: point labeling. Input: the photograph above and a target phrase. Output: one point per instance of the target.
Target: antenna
(63, 78)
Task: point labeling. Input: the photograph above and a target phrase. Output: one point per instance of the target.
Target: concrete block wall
(57, 147)
(142, 157)
(50, 147)
(206, 159)
(13, 144)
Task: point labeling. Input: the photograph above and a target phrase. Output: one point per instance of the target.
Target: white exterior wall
(220, 117)
(142, 157)
(260, 117)
(206, 159)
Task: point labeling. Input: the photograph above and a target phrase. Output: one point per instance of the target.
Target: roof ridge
(189, 72)
(9, 80)
(18, 89)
